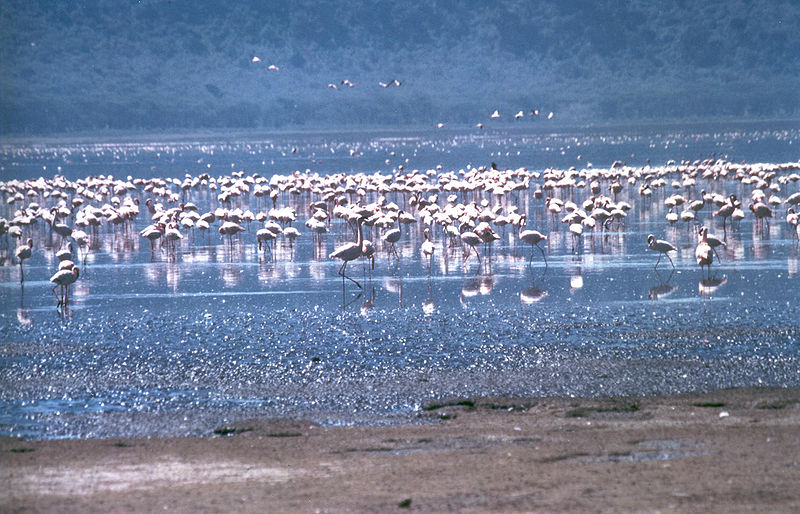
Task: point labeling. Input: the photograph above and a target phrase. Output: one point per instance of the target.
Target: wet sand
(732, 450)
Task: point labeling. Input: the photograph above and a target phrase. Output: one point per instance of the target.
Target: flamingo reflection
(664, 288)
(709, 286)
(532, 294)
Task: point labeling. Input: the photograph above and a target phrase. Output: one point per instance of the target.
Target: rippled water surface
(180, 342)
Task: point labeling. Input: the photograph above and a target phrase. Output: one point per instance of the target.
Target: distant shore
(729, 450)
(220, 134)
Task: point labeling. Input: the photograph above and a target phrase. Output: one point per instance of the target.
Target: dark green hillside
(158, 64)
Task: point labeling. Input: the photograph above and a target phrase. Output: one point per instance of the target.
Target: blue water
(162, 343)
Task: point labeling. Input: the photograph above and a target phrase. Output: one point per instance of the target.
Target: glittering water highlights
(160, 342)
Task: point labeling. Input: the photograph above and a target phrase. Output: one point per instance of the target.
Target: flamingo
(725, 212)
(24, 252)
(368, 251)
(761, 211)
(427, 248)
(265, 236)
(661, 246)
(533, 238)
(714, 242)
(349, 252)
(392, 236)
(62, 279)
(230, 229)
(703, 252)
(471, 239)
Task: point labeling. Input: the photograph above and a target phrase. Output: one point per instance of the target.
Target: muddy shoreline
(734, 449)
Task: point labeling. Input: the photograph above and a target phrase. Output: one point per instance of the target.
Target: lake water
(155, 342)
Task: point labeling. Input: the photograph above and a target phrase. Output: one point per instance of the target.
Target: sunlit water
(162, 343)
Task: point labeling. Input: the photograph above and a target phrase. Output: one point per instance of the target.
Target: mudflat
(730, 450)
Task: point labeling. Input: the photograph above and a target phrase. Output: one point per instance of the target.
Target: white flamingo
(349, 252)
(62, 279)
(24, 252)
(427, 248)
(703, 253)
(391, 237)
(661, 246)
(533, 238)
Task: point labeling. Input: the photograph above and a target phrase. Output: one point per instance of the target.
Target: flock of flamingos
(465, 208)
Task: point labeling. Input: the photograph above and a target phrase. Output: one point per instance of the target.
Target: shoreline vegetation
(733, 449)
(164, 65)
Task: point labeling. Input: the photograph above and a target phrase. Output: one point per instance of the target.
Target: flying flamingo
(661, 246)
(349, 252)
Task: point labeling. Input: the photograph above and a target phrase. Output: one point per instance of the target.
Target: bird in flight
(393, 82)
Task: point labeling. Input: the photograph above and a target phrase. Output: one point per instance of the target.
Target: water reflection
(23, 314)
(532, 294)
(369, 304)
(709, 286)
(474, 286)
(394, 285)
(447, 201)
(428, 305)
(664, 288)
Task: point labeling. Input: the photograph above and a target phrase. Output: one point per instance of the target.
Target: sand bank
(726, 451)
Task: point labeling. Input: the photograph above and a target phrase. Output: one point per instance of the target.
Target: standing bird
(533, 238)
(392, 236)
(427, 248)
(368, 251)
(725, 211)
(62, 279)
(24, 252)
(349, 252)
(662, 247)
(472, 240)
(714, 242)
(230, 229)
(703, 253)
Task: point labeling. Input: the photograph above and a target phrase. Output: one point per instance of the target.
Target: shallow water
(172, 343)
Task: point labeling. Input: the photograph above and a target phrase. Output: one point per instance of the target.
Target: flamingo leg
(658, 260)
(344, 276)
(670, 260)
(543, 255)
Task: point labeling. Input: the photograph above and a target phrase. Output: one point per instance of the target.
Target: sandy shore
(733, 450)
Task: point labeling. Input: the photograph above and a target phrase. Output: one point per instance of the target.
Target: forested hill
(158, 64)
